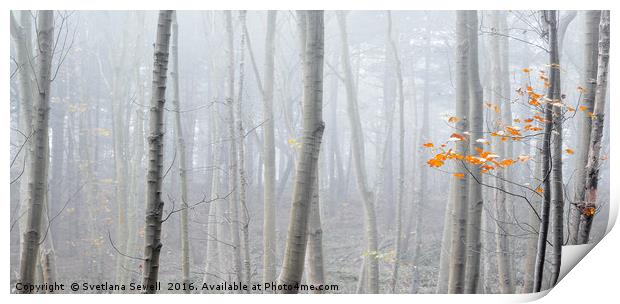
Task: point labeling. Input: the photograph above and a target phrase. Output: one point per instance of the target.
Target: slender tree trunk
(233, 175)
(305, 180)
(501, 120)
(243, 183)
(357, 150)
(550, 17)
(590, 65)
(269, 156)
(598, 118)
(456, 283)
(155, 204)
(557, 186)
(180, 142)
(401, 157)
(39, 154)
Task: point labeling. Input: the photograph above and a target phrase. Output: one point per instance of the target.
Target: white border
(594, 279)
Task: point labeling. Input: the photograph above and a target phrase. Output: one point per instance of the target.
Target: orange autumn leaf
(506, 162)
(525, 70)
(433, 162)
(457, 136)
(588, 211)
(428, 145)
(539, 118)
(529, 120)
(583, 108)
(534, 102)
(569, 151)
(453, 119)
(487, 167)
(513, 130)
(540, 190)
(459, 175)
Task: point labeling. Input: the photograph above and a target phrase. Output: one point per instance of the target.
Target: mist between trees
(373, 151)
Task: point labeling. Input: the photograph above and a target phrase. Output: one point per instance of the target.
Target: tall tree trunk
(588, 83)
(154, 202)
(21, 32)
(550, 17)
(305, 180)
(500, 97)
(401, 157)
(269, 156)
(456, 284)
(243, 183)
(180, 142)
(588, 210)
(39, 154)
(476, 110)
(233, 175)
(358, 152)
(557, 185)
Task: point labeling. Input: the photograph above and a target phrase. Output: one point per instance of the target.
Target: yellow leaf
(583, 108)
(570, 151)
(459, 175)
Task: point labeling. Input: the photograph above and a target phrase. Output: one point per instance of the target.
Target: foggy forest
(305, 151)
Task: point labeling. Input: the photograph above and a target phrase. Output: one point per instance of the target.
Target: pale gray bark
(550, 17)
(501, 119)
(592, 169)
(305, 180)
(588, 83)
(233, 172)
(155, 204)
(39, 153)
(269, 173)
(21, 33)
(401, 158)
(243, 183)
(182, 153)
(358, 152)
(456, 283)
(476, 110)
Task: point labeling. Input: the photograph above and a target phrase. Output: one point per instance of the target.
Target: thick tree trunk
(154, 202)
(358, 152)
(21, 32)
(456, 283)
(588, 83)
(588, 210)
(39, 153)
(476, 110)
(314, 255)
(305, 180)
